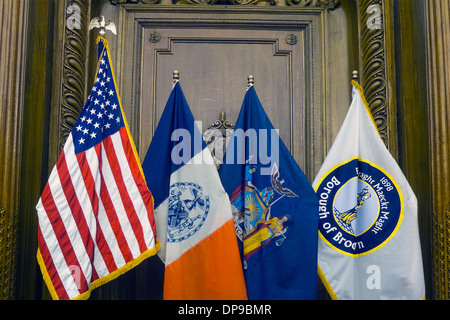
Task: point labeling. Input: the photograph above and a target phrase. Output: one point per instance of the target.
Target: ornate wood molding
(217, 136)
(326, 4)
(438, 29)
(134, 1)
(75, 57)
(373, 75)
(8, 232)
(74, 69)
(14, 22)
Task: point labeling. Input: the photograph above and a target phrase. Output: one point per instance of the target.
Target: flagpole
(103, 25)
(175, 77)
(354, 78)
(250, 81)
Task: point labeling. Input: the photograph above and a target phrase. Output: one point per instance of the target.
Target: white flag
(369, 245)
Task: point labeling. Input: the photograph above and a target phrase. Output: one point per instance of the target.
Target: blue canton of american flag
(95, 212)
(101, 116)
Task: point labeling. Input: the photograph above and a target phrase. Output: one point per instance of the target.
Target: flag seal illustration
(192, 211)
(255, 223)
(369, 245)
(358, 225)
(96, 212)
(188, 210)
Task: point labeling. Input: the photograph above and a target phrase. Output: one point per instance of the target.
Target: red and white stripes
(95, 217)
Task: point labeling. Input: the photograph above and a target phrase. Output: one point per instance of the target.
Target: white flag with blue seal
(369, 246)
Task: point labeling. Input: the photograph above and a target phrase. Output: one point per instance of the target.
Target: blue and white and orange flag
(192, 211)
(96, 212)
(369, 246)
(274, 207)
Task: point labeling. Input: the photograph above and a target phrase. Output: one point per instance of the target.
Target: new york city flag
(192, 211)
(275, 209)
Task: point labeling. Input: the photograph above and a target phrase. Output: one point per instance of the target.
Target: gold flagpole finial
(355, 76)
(250, 81)
(103, 24)
(175, 77)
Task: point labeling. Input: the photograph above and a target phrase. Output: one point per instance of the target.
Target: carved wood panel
(327, 4)
(374, 73)
(215, 50)
(13, 19)
(438, 17)
(73, 77)
(214, 66)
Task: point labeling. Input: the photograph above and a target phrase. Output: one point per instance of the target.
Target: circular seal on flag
(360, 207)
(188, 209)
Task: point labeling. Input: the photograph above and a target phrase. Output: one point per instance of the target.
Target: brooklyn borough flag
(369, 245)
(192, 211)
(96, 212)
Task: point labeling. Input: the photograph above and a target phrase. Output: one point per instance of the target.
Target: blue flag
(274, 206)
(193, 215)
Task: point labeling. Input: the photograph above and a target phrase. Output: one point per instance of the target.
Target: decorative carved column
(328, 4)
(13, 19)
(438, 47)
(375, 25)
(73, 76)
(55, 90)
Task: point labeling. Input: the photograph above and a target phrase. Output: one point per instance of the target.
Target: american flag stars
(101, 115)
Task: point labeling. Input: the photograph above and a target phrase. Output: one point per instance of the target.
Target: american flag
(96, 212)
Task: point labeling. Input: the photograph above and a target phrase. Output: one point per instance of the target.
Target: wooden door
(214, 65)
(215, 50)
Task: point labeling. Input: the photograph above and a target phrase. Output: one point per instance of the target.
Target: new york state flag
(274, 209)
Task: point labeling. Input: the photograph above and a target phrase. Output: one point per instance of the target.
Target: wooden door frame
(73, 67)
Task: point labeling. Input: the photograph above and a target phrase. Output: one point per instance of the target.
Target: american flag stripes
(96, 212)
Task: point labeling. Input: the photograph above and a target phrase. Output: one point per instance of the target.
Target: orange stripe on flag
(211, 270)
